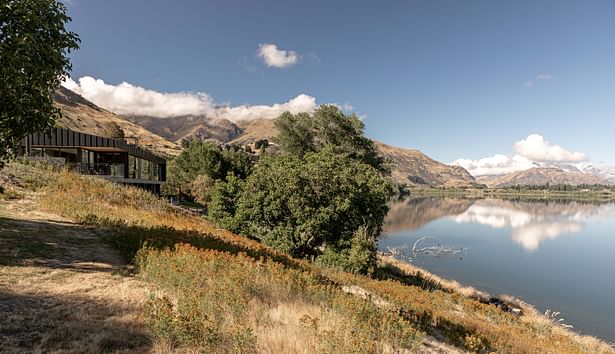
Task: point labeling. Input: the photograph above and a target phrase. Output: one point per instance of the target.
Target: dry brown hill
(189, 127)
(81, 115)
(541, 176)
(412, 167)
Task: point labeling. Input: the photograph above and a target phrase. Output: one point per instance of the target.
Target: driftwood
(437, 249)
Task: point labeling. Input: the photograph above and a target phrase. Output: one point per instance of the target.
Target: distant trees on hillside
(34, 47)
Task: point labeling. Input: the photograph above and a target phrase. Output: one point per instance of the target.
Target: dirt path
(62, 288)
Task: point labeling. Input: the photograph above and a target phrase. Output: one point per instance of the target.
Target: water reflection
(530, 223)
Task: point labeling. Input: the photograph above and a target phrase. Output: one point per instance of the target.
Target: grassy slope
(221, 292)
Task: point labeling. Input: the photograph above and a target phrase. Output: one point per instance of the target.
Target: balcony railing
(101, 169)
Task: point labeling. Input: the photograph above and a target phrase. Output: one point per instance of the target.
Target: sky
(492, 85)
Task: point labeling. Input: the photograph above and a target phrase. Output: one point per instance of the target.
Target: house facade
(120, 160)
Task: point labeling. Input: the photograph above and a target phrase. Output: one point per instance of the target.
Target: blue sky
(455, 79)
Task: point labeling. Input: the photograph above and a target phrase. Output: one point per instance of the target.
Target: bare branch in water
(437, 250)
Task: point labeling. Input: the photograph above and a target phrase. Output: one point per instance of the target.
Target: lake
(554, 255)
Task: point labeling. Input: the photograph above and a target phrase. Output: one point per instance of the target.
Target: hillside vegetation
(83, 116)
(219, 292)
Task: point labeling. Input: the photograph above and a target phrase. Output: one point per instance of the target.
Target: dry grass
(58, 291)
(220, 292)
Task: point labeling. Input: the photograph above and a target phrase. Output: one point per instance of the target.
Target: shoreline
(524, 311)
(602, 196)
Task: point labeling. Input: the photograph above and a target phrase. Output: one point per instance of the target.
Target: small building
(119, 160)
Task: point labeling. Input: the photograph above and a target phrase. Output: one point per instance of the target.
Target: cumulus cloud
(495, 165)
(277, 58)
(533, 151)
(536, 148)
(539, 77)
(129, 99)
(301, 103)
(126, 98)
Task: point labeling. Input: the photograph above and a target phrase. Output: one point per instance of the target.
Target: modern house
(115, 159)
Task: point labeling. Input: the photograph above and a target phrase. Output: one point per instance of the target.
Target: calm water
(557, 255)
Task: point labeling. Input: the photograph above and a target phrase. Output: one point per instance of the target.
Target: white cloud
(301, 103)
(536, 148)
(278, 58)
(533, 151)
(539, 77)
(495, 165)
(129, 99)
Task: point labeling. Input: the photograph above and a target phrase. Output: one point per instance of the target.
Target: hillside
(81, 115)
(270, 302)
(541, 176)
(189, 127)
(412, 167)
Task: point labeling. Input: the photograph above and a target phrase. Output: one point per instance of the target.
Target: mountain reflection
(530, 223)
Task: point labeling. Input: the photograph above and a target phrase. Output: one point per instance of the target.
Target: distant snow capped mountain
(598, 169)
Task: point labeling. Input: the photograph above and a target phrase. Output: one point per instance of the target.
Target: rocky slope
(541, 176)
(81, 115)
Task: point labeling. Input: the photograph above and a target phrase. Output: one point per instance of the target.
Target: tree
(201, 158)
(295, 133)
(223, 201)
(201, 189)
(34, 48)
(304, 205)
(327, 126)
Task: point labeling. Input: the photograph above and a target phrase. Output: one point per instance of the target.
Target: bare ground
(63, 288)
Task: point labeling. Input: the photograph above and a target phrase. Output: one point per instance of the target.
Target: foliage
(357, 255)
(327, 126)
(201, 189)
(34, 47)
(201, 158)
(261, 143)
(224, 199)
(299, 206)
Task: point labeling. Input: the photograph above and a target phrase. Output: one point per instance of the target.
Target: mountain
(409, 167)
(412, 167)
(81, 115)
(599, 170)
(541, 176)
(189, 127)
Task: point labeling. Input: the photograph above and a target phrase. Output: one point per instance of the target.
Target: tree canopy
(301, 133)
(301, 205)
(34, 48)
(207, 159)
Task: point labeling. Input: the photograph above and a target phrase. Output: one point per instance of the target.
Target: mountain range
(408, 166)
(541, 176)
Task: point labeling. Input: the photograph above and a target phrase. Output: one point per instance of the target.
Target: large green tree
(34, 48)
(305, 205)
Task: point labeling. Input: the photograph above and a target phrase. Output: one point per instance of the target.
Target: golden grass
(221, 292)
(58, 291)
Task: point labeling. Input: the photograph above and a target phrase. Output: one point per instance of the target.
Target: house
(119, 160)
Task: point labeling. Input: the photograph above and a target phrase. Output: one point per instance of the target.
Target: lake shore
(526, 312)
(605, 195)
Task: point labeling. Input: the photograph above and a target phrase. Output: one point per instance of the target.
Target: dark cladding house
(114, 159)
